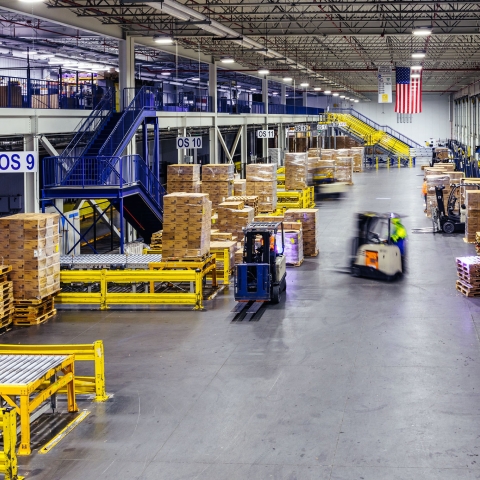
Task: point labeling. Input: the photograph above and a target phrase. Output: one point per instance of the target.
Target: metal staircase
(93, 166)
(365, 130)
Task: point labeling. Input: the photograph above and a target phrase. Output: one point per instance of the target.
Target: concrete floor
(347, 379)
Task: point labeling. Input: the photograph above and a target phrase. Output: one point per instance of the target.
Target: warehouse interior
(239, 239)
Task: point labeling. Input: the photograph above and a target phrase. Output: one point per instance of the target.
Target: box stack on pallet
(441, 153)
(233, 216)
(296, 171)
(6, 298)
(183, 178)
(344, 169)
(262, 182)
(186, 226)
(31, 246)
(310, 220)
(436, 181)
(293, 237)
(239, 188)
(472, 223)
(357, 154)
(217, 182)
(248, 200)
(468, 273)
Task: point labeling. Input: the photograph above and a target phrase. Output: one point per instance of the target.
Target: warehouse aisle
(347, 379)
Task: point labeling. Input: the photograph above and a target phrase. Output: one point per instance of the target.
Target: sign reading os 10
(18, 162)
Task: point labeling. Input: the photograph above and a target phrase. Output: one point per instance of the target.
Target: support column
(31, 190)
(305, 97)
(126, 65)
(212, 85)
(181, 152)
(283, 94)
(244, 151)
(265, 126)
(281, 142)
(212, 137)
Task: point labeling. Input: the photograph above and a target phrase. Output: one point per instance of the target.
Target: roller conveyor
(108, 261)
(24, 369)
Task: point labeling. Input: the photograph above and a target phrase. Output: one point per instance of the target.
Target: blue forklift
(262, 275)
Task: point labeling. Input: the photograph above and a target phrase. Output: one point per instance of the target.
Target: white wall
(433, 122)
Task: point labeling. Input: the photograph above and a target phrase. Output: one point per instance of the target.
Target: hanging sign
(384, 84)
(322, 127)
(300, 128)
(18, 162)
(189, 142)
(265, 133)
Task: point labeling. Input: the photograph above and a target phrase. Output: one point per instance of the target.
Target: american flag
(409, 91)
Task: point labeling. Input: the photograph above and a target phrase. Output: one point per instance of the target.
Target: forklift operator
(259, 248)
(398, 234)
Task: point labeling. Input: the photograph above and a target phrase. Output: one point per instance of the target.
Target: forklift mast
(257, 242)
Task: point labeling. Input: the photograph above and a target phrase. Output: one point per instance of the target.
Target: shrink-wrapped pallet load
(310, 220)
(239, 187)
(183, 178)
(233, 216)
(344, 169)
(296, 171)
(357, 154)
(186, 225)
(248, 200)
(217, 182)
(262, 182)
(472, 224)
(293, 242)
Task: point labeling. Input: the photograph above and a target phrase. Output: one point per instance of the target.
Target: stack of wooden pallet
(6, 298)
(183, 178)
(468, 273)
(34, 312)
(156, 241)
(310, 220)
(248, 200)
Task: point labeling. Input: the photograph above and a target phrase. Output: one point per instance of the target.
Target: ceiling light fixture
(165, 74)
(227, 60)
(335, 94)
(163, 40)
(327, 92)
(304, 84)
(422, 31)
(342, 96)
(195, 79)
(356, 101)
(263, 71)
(416, 67)
(287, 79)
(418, 55)
(317, 89)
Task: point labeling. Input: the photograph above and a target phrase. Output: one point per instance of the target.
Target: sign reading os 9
(18, 162)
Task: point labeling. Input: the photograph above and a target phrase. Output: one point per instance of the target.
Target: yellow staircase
(369, 134)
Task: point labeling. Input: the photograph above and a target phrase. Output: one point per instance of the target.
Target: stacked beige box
(344, 169)
(296, 171)
(436, 181)
(472, 224)
(217, 182)
(233, 216)
(441, 153)
(357, 154)
(262, 182)
(239, 187)
(186, 225)
(310, 220)
(249, 201)
(183, 178)
(30, 244)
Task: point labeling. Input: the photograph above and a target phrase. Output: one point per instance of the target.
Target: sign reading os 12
(189, 142)
(18, 162)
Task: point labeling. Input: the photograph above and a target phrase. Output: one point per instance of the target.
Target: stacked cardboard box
(218, 236)
(314, 152)
(310, 220)
(186, 225)
(262, 182)
(344, 169)
(472, 224)
(6, 298)
(217, 182)
(468, 276)
(328, 154)
(233, 216)
(239, 187)
(321, 166)
(441, 153)
(436, 181)
(357, 154)
(30, 244)
(183, 178)
(295, 171)
(343, 142)
(249, 201)
(293, 242)
(269, 218)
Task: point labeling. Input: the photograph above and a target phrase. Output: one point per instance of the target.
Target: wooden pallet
(469, 265)
(33, 311)
(4, 269)
(467, 290)
(6, 319)
(473, 281)
(35, 301)
(295, 264)
(186, 259)
(28, 322)
(313, 255)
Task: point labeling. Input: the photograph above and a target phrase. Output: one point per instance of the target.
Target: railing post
(100, 392)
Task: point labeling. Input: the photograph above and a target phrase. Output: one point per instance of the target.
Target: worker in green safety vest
(398, 234)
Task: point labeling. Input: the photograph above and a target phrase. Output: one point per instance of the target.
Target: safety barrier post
(99, 353)
(410, 162)
(399, 162)
(388, 162)
(8, 458)
(376, 162)
(198, 290)
(103, 291)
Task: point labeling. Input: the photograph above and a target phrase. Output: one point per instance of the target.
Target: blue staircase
(101, 171)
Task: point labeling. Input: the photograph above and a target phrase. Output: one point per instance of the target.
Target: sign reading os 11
(189, 142)
(18, 162)
(265, 133)
(300, 128)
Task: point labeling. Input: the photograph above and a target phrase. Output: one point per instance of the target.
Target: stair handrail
(129, 109)
(91, 123)
(387, 129)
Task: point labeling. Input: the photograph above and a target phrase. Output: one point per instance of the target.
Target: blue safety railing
(89, 127)
(226, 105)
(137, 102)
(117, 172)
(377, 126)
